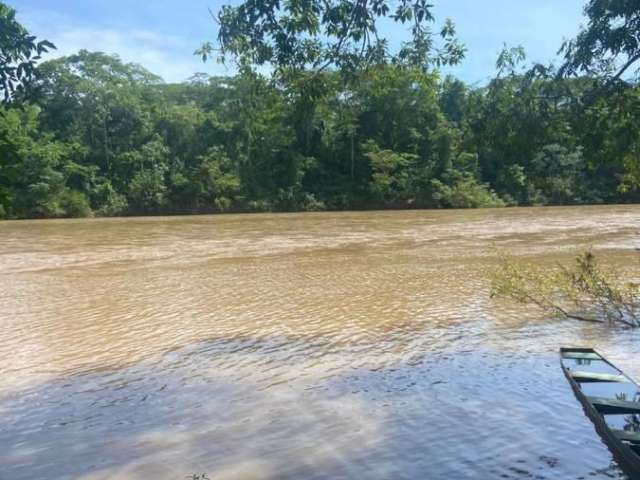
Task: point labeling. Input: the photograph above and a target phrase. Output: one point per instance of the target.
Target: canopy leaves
(19, 54)
(297, 35)
(608, 47)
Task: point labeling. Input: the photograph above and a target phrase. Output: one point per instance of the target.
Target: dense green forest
(95, 136)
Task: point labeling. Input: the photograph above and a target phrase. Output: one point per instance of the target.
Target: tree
(392, 173)
(147, 190)
(556, 174)
(33, 169)
(19, 54)
(316, 34)
(610, 43)
(99, 102)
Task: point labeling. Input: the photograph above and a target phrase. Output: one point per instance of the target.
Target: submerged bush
(584, 291)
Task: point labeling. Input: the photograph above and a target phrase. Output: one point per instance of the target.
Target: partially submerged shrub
(584, 291)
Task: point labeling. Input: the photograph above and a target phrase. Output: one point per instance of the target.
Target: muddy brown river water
(314, 346)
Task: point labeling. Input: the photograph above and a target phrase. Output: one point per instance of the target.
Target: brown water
(316, 346)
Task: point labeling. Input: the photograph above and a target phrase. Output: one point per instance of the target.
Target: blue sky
(162, 34)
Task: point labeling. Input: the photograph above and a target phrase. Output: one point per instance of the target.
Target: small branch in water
(583, 319)
(584, 287)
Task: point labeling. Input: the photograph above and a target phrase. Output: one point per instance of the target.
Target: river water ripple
(316, 346)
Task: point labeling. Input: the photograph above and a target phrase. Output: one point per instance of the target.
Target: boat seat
(626, 435)
(609, 406)
(596, 377)
(581, 355)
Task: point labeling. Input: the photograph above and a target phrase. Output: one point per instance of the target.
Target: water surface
(316, 346)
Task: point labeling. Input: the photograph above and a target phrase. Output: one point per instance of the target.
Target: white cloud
(169, 56)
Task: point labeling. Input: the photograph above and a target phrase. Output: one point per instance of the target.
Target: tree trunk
(353, 165)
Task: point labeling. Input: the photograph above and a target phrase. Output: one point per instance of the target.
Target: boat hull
(628, 460)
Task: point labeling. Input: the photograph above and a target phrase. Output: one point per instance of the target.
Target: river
(318, 345)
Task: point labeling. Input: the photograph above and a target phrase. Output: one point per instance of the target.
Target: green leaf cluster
(19, 54)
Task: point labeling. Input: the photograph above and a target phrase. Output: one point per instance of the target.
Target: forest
(94, 136)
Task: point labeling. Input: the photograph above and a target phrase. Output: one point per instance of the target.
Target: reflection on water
(586, 365)
(618, 390)
(627, 422)
(337, 345)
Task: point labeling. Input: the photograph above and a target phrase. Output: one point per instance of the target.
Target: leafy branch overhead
(343, 34)
(19, 54)
(609, 45)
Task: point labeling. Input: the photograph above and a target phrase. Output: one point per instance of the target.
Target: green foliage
(31, 177)
(462, 190)
(301, 35)
(556, 174)
(608, 45)
(147, 191)
(391, 174)
(108, 201)
(584, 292)
(509, 58)
(108, 138)
(147, 188)
(75, 204)
(215, 182)
(19, 54)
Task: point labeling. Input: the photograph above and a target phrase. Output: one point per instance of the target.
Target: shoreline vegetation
(107, 139)
(344, 125)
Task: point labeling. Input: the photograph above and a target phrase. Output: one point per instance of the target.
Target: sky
(162, 35)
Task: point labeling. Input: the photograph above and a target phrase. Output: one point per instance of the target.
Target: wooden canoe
(610, 399)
